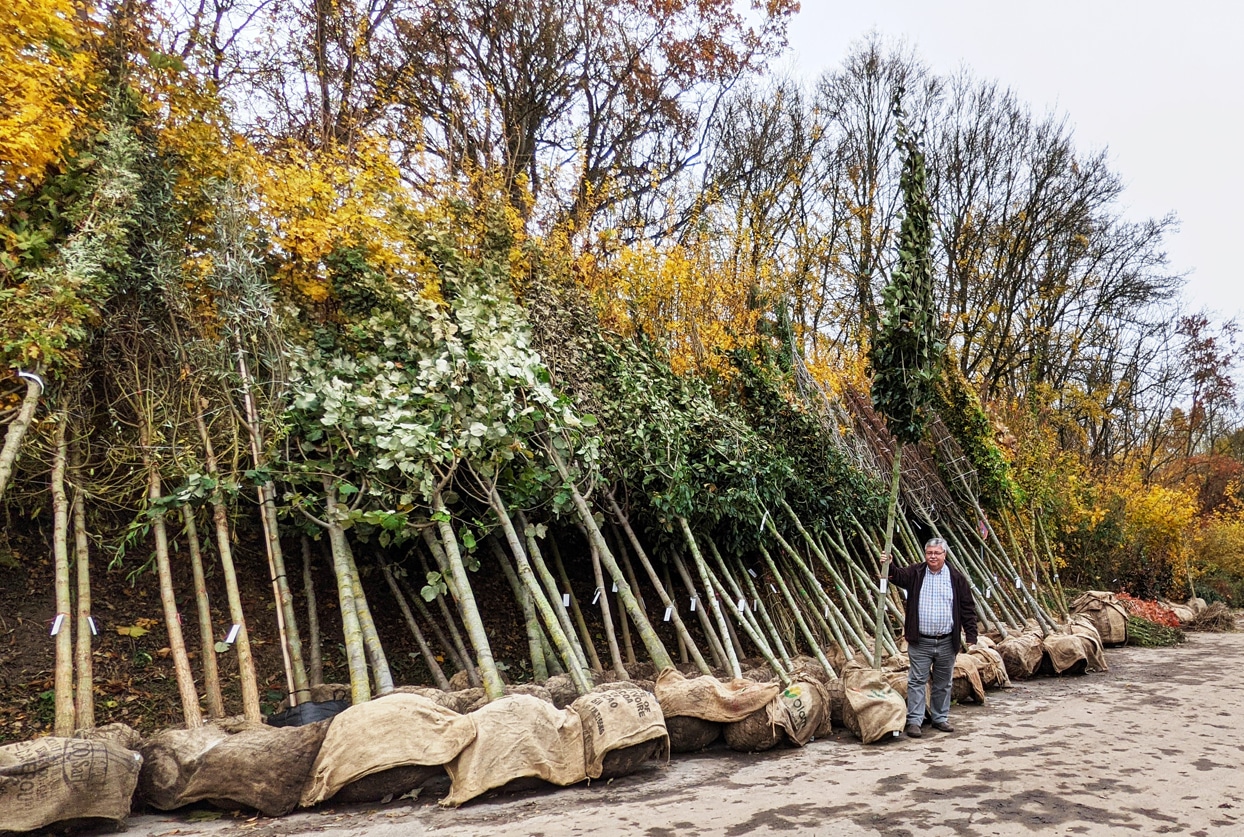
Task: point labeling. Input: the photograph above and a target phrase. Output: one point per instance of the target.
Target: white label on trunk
(988, 592)
(755, 604)
(753, 572)
(90, 620)
(1055, 577)
(596, 598)
(885, 584)
(1019, 585)
(233, 634)
(742, 605)
(615, 587)
(693, 604)
(774, 589)
(763, 519)
(565, 600)
(827, 610)
(669, 611)
(57, 622)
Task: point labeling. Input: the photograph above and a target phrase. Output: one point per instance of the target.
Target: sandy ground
(1154, 746)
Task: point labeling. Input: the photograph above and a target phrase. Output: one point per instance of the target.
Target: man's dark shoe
(913, 731)
(943, 726)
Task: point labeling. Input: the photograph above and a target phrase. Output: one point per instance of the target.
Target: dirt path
(1154, 746)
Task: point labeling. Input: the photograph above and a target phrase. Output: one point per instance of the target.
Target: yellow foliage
(43, 79)
(315, 202)
(691, 305)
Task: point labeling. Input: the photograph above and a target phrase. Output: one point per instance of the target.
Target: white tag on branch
(763, 519)
(1019, 584)
(988, 592)
(596, 598)
(90, 620)
(615, 587)
(233, 634)
(827, 610)
(742, 605)
(774, 589)
(565, 600)
(755, 604)
(56, 623)
(693, 604)
(669, 611)
(885, 584)
(753, 572)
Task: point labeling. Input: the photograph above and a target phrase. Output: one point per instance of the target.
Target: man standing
(939, 604)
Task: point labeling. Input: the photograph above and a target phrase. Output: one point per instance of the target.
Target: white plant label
(669, 611)
(693, 604)
(90, 620)
(753, 572)
(233, 634)
(565, 600)
(596, 598)
(774, 589)
(885, 584)
(56, 623)
(615, 587)
(742, 606)
(1019, 585)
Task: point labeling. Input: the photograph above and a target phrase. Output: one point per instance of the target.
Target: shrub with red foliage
(1154, 612)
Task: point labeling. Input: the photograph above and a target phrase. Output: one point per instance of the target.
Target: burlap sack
(114, 733)
(709, 698)
(691, 735)
(1021, 654)
(57, 780)
(872, 709)
(1090, 639)
(522, 689)
(1106, 613)
(1183, 612)
(620, 717)
(967, 684)
(990, 664)
(517, 736)
(898, 682)
(802, 710)
(397, 730)
(264, 768)
(1064, 654)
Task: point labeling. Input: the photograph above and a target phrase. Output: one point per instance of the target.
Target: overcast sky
(1157, 84)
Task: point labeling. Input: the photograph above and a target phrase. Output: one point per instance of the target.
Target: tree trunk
(315, 670)
(885, 554)
(531, 620)
(352, 632)
(172, 619)
(84, 693)
(700, 609)
(493, 687)
(809, 636)
(713, 602)
(211, 674)
(606, 614)
(551, 621)
(656, 651)
(450, 648)
(585, 635)
(664, 595)
(17, 429)
(550, 590)
(63, 625)
(371, 639)
(287, 621)
(442, 563)
(224, 549)
(434, 668)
